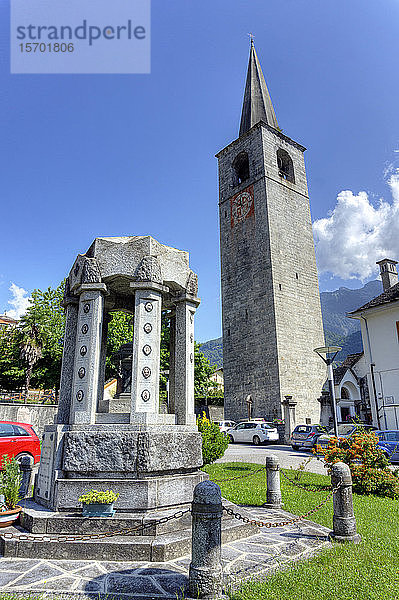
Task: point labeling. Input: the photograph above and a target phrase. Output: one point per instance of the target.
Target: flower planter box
(98, 510)
(8, 517)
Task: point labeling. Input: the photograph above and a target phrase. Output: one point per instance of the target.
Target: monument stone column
(87, 353)
(71, 306)
(186, 305)
(146, 349)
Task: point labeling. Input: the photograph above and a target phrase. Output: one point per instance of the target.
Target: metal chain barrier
(91, 536)
(240, 476)
(270, 524)
(309, 488)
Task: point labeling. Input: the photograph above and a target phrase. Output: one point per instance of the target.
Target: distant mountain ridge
(338, 329)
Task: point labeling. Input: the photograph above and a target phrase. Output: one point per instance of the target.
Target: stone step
(158, 548)
(37, 519)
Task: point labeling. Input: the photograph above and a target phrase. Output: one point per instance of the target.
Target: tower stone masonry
(270, 296)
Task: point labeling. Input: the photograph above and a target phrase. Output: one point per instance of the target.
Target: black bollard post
(206, 575)
(344, 522)
(26, 469)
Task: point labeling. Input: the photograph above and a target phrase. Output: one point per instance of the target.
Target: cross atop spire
(257, 105)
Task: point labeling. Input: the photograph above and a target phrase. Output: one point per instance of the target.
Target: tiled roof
(390, 295)
(350, 360)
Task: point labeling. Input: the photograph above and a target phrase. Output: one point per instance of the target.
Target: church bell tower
(270, 295)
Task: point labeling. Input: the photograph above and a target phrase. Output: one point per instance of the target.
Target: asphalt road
(287, 457)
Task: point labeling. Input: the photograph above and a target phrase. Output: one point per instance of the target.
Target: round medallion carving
(147, 349)
(145, 394)
(147, 327)
(85, 328)
(79, 395)
(148, 306)
(146, 372)
(191, 357)
(86, 308)
(82, 372)
(83, 351)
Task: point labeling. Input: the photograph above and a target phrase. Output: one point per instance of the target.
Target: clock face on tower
(242, 205)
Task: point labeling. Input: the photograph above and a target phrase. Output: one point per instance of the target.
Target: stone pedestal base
(158, 543)
(150, 466)
(134, 494)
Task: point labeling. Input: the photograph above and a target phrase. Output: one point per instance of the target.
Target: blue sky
(108, 155)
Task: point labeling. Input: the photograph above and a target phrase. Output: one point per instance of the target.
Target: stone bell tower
(270, 295)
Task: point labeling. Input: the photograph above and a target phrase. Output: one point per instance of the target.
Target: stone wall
(37, 415)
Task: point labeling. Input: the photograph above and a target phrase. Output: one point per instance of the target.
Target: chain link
(29, 537)
(270, 524)
(240, 476)
(309, 488)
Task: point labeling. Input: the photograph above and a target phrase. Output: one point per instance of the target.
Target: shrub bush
(10, 481)
(214, 442)
(368, 464)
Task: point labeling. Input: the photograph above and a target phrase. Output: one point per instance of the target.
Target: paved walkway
(256, 556)
(287, 457)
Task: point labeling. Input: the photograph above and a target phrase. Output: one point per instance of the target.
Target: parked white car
(224, 426)
(252, 431)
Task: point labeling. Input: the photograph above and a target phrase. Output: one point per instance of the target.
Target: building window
(240, 168)
(285, 165)
(296, 275)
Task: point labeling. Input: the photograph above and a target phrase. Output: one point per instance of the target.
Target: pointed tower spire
(257, 105)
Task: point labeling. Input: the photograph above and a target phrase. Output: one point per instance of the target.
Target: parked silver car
(306, 436)
(252, 431)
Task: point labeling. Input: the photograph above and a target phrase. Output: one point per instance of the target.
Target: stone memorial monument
(152, 460)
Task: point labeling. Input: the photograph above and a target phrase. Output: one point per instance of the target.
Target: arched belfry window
(240, 168)
(285, 165)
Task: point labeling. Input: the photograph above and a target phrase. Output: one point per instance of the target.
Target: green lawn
(367, 571)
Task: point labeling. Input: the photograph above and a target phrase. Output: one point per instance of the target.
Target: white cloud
(357, 233)
(19, 301)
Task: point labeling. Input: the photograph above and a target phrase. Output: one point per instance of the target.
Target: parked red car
(18, 439)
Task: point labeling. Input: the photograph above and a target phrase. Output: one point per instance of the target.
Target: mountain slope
(335, 305)
(339, 330)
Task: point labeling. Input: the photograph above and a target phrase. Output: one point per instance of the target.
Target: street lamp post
(330, 353)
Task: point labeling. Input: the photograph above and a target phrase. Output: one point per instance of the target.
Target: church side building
(270, 296)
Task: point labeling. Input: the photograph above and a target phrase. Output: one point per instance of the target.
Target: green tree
(31, 346)
(203, 383)
(11, 368)
(45, 319)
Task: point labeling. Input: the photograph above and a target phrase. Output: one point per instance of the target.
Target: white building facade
(379, 321)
